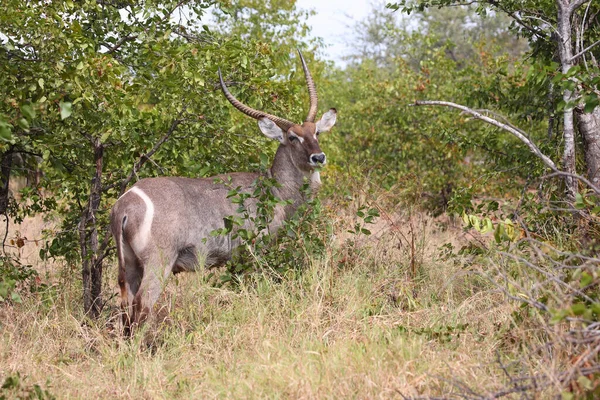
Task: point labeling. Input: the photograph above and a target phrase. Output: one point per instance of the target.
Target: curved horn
(251, 112)
(312, 91)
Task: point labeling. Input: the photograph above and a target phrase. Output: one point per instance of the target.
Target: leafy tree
(564, 35)
(384, 36)
(106, 92)
(429, 158)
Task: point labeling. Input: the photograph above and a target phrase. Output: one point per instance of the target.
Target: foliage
(531, 19)
(93, 88)
(566, 32)
(299, 239)
(101, 93)
(384, 36)
(14, 387)
(16, 277)
(430, 158)
(366, 216)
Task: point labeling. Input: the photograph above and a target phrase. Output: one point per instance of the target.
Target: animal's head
(302, 139)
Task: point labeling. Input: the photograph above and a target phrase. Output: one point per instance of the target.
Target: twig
(519, 20)
(576, 4)
(119, 43)
(579, 177)
(551, 278)
(582, 52)
(145, 157)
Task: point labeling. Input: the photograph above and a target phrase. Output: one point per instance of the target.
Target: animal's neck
(292, 178)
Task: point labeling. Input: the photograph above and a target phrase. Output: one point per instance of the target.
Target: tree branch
(517, 18)
(515, 132)
(582, 52)
(146, 157)
(119, 43)
(575, 5)
(579, 177)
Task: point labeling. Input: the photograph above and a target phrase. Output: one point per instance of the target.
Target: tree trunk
(589, 127)
(91, 260)
(5, 169)
(565, 50)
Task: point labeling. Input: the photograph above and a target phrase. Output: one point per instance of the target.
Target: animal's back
(175, 216)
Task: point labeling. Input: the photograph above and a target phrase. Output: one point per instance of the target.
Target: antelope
(162, 225)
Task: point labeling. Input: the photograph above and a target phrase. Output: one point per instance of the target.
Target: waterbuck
(163, 225)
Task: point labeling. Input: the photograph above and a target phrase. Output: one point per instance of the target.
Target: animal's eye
(293, 138)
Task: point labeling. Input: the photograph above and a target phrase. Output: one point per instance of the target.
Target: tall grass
(355, 323)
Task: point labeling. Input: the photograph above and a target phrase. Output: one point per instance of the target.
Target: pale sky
(333, 22)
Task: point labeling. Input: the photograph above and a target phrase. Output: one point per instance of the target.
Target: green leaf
(499, 233)
(16, 297)
(586, 279)
(487, 225)
(5, 131)
(23, 124)
(474, 222)
(264, 159)
(578, 309)
(65, 109)
(591, 102)
(585, 382)
(228, 222)
(567, 396)
(28, 111)
(579, 204)
(105, 136)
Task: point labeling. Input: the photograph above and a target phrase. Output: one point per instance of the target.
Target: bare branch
(544, 21)
(5, 234)
(119, 43)
(579, 177)
(582, 29)
(193, 38)
(582, 52)
(552, 278)
(576, 4)
(515, 132)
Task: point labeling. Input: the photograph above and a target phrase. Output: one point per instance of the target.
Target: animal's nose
(318, 158)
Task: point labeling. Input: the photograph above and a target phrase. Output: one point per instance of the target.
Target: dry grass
(358, 323)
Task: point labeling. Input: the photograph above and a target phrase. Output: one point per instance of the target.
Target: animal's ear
(270, 129)
(327, 120)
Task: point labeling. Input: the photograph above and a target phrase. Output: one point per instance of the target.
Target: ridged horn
(251, 112)
(312, 91)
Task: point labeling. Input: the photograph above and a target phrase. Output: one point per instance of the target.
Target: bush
(16, 278)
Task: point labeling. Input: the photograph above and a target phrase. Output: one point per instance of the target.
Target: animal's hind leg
(130, 277)
(129, 282)
(156, 272)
